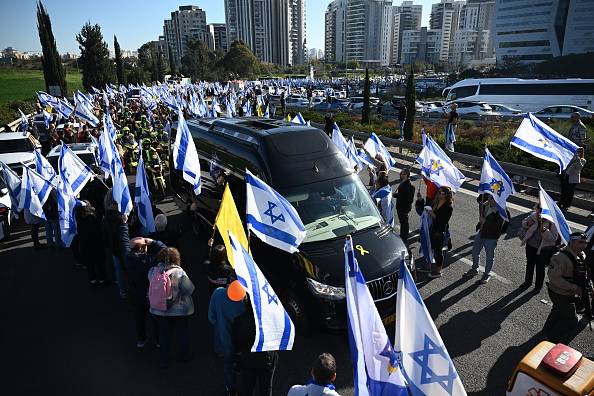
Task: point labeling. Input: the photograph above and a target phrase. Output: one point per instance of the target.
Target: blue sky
(134, 22)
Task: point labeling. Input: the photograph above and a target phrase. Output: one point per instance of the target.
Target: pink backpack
(159, 293)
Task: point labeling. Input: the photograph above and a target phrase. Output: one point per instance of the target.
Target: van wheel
(296, 312)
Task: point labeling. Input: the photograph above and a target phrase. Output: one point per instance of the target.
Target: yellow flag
(289, 117)
(228, 219)
(260, 114)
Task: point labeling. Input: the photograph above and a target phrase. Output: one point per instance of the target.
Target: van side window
(237, 186)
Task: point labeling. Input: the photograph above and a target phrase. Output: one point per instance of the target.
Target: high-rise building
(446, 16)
(273, 29)
(218, 31)
(472, 42)
(421, 45)
(407, 16)
(359, 30)
(186, 24)
(535, 30)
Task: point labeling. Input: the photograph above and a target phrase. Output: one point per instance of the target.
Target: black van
(306, 167)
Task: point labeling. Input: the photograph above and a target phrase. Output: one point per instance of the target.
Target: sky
(134, 22)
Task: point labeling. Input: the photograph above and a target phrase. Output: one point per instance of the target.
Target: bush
(9, 111)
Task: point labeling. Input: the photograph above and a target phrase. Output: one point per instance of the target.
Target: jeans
(477, 247)
(562, 318)
(117, 269)
(166, 325)
(141, 309)
(567, 192)
(52, 233)
(401, 128)
(533, 261)
(218, 344)
(230, 375)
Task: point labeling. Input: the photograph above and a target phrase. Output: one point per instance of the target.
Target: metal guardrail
(510, 169)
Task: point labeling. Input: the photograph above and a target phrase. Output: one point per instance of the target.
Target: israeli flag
(185, 156)
(34, 192)
(13, 183)
(47, 99)
(84, 110)
(425, 239)
(384, 196)
(229, 108)
(247, 110)
(539, 139)
(424, 359)
(550, 211)
(364, 159)
(45, 169)
(65, 109)
(266, 112)
(271, 217)
(274, 329)
(106, 152)
(374, 145)
(298, 119)
(215, 167)
(438, 167)
(47, 118)
(66, 206)
(339, 140)
(496, 182)
(141, 197)
(95, 90)
(375, 364)
(120, 191)
(73, 170)
(24, 122)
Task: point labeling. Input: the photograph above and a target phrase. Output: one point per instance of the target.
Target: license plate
(389, 319)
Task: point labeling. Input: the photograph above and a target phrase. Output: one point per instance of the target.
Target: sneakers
(434, 274)
(485, 279)
(425, 270)
(141, 344)
(470, 272)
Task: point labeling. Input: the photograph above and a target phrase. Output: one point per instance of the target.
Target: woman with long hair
(440, 212)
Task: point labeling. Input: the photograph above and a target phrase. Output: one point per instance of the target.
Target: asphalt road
(60, 336)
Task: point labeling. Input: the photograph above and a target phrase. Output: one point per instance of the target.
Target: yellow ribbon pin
(361, 250)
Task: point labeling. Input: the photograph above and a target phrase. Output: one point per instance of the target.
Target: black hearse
(306, 167)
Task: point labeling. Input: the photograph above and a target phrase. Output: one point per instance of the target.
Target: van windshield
(333, 208)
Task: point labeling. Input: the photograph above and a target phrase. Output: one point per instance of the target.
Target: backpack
(505, 225)
(547, 252)
(159, 293)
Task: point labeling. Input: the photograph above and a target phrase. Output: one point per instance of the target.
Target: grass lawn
(18, 84)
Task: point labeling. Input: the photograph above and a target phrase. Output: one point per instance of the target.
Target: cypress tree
(53, 71)
(410, 96)
(94, 57)
(366, 111)
(118, 60)
(172, 70)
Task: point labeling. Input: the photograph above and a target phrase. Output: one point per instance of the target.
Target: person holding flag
(440, 212)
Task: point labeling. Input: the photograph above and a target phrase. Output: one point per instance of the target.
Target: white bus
(526, 95)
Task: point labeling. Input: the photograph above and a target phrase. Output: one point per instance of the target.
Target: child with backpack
(170, 297)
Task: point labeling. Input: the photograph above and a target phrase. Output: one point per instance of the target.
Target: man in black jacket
(405, 195)
(489, 225)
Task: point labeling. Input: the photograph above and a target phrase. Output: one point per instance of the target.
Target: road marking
(456, 256)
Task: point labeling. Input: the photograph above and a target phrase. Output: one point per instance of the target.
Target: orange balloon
(235, 291)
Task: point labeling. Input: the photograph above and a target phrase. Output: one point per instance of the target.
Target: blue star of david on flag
(496, 182)
(436, 166)
(389, 353)
(271, 297)
(273, 218)
(497, 187)
(544, 142)
(423, 359)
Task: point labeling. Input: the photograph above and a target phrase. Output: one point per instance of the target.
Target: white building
(446, 16)
(472, 42)
(218, 32)
(186, 24)
(407, 16)
(359, 30)
(273, 29)
(535, 30)
(421, 45)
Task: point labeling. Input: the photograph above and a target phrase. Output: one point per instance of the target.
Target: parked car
(297, 102)
(464, 108)
(357, 102)
(303, 165)
(17, 149)
(88, 152)
(562, 111)
(336, 104)
(501, 110)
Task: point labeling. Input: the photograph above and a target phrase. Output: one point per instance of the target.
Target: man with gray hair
(170, 236)
(577, 130)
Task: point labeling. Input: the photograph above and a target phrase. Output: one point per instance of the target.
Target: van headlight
(326, 291)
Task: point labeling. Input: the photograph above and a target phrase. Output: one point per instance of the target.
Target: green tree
(366, 111)
(118, 60)
(172, 70)
(152, 61)
(53, 72)
(241, 60)
(410, 97)
(198, 62)
(94, 57)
